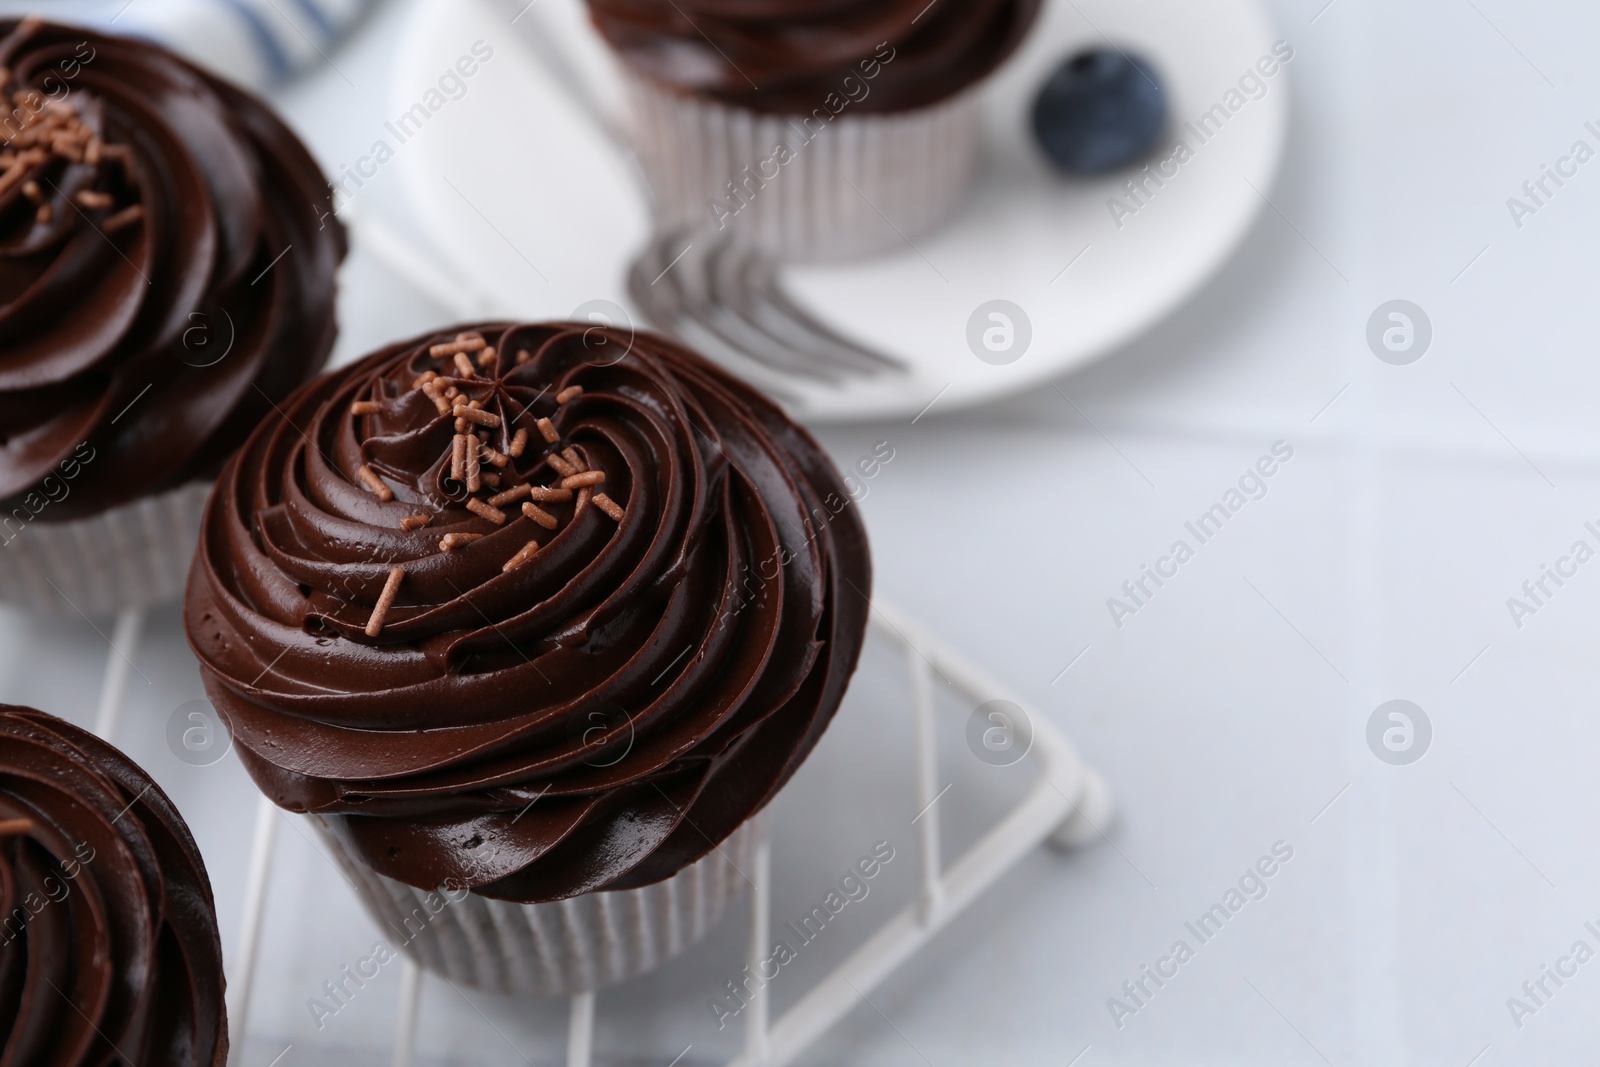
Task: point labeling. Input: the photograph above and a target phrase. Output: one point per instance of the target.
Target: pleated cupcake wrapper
(133, 556)
(570, 946)
(857, 184)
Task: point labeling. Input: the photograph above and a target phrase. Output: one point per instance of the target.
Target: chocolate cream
(789, 56)
(531, 609)
(108, 933)
(167, 257)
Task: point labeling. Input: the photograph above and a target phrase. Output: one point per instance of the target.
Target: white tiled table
(1231, 710)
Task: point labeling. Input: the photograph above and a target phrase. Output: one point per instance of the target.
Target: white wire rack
(1067, 805)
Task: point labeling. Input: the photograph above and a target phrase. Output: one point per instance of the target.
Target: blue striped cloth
(257, 43)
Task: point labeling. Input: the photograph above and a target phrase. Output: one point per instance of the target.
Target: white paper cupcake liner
(558, 949)
(852, 186)
(133, 556)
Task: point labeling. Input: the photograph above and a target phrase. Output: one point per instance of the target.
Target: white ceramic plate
(535, 206)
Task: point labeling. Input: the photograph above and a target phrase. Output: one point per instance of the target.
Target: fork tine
(780, 314)
(731, 294)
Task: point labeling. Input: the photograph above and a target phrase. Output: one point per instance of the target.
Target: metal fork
(726, 297)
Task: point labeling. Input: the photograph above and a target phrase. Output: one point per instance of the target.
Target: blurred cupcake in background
(535, 619)
(167, 259)
(814, 129)
(108, 932)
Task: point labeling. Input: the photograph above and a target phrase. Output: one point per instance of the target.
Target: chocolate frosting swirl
(167, 255)
(592, 694)
(788, 56)
(108, 934)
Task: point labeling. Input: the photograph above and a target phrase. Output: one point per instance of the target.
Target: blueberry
(1099, 110)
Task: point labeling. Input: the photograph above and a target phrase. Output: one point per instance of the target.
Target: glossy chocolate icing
(113, 326)
(108, 934)
(597, 717)
(790, 56)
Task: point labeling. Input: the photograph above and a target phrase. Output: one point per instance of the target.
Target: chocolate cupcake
(539, 616)
(108, 934)
(815, 130)
(167, 255)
